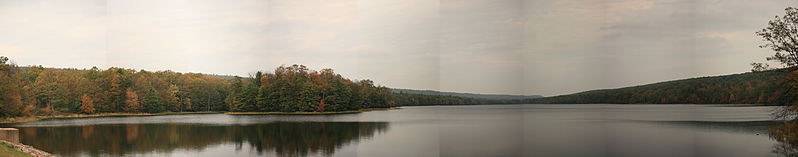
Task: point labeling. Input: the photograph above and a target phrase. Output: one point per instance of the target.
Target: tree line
(36, 90)
(298, 89)
(413, 99)
(771, 87)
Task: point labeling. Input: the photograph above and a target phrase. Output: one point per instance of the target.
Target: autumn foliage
(10, 97)
(132, 103)
(43, 91)
(297, 88)
(87, 104)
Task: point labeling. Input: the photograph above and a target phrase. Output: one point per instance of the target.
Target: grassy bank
(9, 151)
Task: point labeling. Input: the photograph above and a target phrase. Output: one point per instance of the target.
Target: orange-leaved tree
(132, 103)
(87, 105)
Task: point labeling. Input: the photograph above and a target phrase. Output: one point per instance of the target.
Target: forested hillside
(466, 95)
(410, 99)
(770, 87)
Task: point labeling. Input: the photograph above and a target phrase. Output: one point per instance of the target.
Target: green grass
(9, 151)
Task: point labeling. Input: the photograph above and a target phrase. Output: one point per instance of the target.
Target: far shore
(310, 113)
(70, 116)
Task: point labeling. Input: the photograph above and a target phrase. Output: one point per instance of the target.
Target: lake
(468, 131)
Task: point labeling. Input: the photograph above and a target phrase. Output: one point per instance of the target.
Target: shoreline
(25, 149)
(17, 120)
(72, 115)
(311, 113)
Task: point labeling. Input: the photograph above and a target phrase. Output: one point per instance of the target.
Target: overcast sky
(544, 47)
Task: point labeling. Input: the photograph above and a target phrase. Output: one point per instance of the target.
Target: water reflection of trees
(282, 138)
(787, 136)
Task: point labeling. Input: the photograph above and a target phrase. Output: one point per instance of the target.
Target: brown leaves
(87, 104)
(132, 103)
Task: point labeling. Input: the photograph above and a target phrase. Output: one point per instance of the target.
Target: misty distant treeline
(466, 95)
(409, 97)
(772, 87)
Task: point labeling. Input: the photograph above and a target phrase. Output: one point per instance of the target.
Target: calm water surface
(478, 131)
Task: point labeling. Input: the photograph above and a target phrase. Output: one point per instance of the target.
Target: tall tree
(87, 104)
(172, 98)
(10, 98)
(246, 99)
(308, 98)
(235, 91)
(781, 36)
(185, 103)
(116, 93)
(258, 77)
(132, 103)
(152, 102)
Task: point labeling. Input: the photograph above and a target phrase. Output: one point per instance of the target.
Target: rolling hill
(410, 97)
(466, 95)
(765, 87)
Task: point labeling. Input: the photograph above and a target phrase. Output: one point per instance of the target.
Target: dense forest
(413, 99)
(299, 89)
(466, 95)
(37, 90)
(770, 87)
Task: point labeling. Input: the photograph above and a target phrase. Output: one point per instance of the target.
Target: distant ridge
(766, 87)
(466, 95)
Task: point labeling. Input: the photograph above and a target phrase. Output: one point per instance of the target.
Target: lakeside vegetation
(9, 151)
